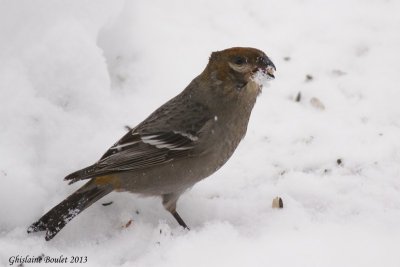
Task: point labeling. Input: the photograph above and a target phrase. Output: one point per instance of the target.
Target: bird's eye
(239, 60)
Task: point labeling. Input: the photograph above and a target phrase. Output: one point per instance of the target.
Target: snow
(74, 73)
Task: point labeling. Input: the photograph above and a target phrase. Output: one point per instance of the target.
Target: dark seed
(107, 203)
(277, 203)
(298, 97)
(128, 223)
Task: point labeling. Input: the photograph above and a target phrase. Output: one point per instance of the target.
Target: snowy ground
(73, 73)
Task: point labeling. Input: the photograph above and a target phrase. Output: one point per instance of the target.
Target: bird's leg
(169, 203)
(179, 220)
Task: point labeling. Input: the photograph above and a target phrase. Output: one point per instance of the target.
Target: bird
(182, 142)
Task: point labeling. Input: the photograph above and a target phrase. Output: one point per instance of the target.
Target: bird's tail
(55, 219)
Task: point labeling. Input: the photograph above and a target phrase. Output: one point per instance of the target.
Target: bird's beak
(267, 67)
(270, 70)
(265, 70)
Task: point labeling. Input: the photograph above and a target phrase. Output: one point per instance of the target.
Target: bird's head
(240, 65)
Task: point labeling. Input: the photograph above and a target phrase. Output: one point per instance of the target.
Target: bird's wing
(166, 135)
(145, 150)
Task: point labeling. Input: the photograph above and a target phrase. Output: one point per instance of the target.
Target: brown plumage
(182, 142)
